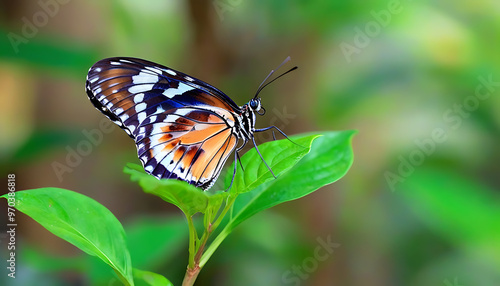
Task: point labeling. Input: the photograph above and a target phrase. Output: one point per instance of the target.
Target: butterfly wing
(183, 127)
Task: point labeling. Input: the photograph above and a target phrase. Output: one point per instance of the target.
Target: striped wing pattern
(183, 127)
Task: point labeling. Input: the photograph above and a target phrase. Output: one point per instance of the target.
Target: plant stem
(191, 275)
(197, 246)
(218, 240)
(192, 242)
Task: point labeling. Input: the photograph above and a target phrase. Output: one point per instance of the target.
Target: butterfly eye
(255, 104)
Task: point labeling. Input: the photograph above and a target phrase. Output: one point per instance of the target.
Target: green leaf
(280, 155)
(187, 197)
(462, 211)
(329, 160)
(150, 278)
(82, 222)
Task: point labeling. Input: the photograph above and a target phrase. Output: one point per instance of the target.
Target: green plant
(302, 166)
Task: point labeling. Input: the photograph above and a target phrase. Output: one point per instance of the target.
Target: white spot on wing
(171, 72)
(171, 118)
(139, 98)
(104, 100)
(188, 78)
(115, 63)
(156, 130)
(157, 149)
(149, 168)
(140, 88)
(184, 111)
(159, 109)
(155, 70)
(141, 116)
(171, 92)
(124, 117)
(140, 107)
(132, 128)
(144, 77)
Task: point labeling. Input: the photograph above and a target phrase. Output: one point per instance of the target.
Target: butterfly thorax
(246, 126)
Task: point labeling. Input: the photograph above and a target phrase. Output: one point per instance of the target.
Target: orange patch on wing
(173, 127)
(171, 145)
(165, 137)
(202, 132)
(219, 158)
(210, 147)
(178, 153)
(191, 152)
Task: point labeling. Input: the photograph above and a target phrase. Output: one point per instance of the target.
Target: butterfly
(183, 128)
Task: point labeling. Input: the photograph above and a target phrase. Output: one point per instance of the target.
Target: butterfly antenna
(264, 84)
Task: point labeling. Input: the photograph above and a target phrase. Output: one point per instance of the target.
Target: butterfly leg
(234, 172)
(238, 150)
(239, 159)
(255, 144)
(279, 130)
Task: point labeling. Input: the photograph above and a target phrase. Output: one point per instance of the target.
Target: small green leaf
(280, 155)
(187, 197)
(150, 278)
(82, 222)
(330, 158)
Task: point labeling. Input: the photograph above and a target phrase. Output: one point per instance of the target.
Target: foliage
(303, 164)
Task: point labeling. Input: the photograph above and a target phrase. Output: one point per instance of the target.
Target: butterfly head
(256, 106)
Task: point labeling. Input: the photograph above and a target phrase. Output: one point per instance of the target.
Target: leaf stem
(192, 242)
(230, 201)
(213, 246)
(218, 240)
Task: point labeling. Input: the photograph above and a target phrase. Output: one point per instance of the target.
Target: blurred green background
(420, 80)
